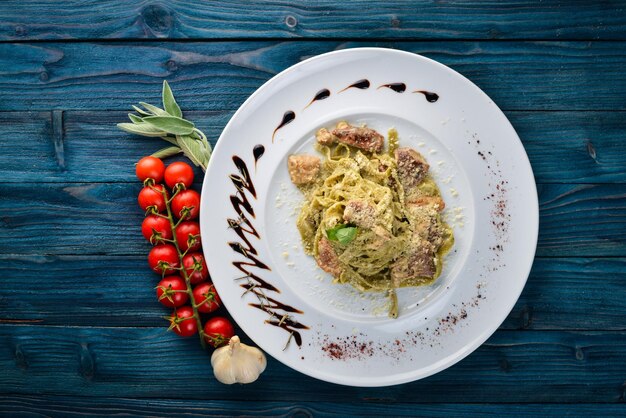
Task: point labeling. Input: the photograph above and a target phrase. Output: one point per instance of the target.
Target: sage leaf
(170, 139)
(194, 149)
(142, 128)
(171, 124)
(134, 118)
(167, 152)
(169, 103)
(141, 111)
(155, 111)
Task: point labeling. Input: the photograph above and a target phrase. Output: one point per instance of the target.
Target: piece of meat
(303, 168)
(324, 137)
(360, 213)
(327, 258)
(436, 202)
(363, 138)
(412, 168)
(417, 262)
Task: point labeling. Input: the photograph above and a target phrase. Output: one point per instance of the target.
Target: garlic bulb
(237, 363)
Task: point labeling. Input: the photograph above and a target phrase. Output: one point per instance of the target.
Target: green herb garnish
(343, 234)
(169, 125)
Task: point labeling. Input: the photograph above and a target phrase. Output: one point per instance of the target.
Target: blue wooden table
(80, 330)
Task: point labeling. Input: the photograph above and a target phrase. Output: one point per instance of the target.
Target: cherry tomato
(155, 228)
(218, 331)
(186, 232)
(186, 204)
(182, 322)
(162, 258)
(150, 168)
(206, 298)
(172, 291)
(178, 172)
(149, 197)
(196, 268)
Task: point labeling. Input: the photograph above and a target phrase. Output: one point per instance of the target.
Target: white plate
(333, 332)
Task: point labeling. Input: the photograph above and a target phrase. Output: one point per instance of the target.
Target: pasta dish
(372, 214)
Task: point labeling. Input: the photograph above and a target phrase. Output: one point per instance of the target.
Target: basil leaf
(169, 103)
(142, 128)
(346, 235)
(332, 232)
(167, 152)
(171, 124)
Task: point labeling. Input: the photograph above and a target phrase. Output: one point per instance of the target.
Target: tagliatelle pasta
(372, 218)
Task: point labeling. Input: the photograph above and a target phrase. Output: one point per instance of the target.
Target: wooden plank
(513, 366)
(574, 147)
(582, 219)
(119, 290)
(588, 147)
(70, 406)
(95, 218)
(28, 20)
(221, 75)
(572, 293)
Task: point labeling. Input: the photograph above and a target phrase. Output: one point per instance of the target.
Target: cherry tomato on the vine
(178, 172)
(148, 197)
(196, 267)
(206, 298)
(155, 228)
(150, 168)
(172, 291)
(162, 258)
(218, 331)
(186, 204)
(182, 322)
(188, 232)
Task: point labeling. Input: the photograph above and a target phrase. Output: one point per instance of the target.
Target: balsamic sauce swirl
(280, 313)
(288, 117)
(320, 95)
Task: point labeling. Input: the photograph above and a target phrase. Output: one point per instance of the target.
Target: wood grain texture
(94, 218)
(512, 366)
(28, 20)
(221, 75)
(592, 217)
(70, 406)
(119, 290)
(588, 147)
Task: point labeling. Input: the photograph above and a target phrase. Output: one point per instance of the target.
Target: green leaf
(332, 232)
(343, 234)
(171, 124)
(156, 111)
(169, 103)
(346, 235)
(195, 150)
(142, 128)
(134, 118)
(141, 111)
(171, 140)
(167, 152)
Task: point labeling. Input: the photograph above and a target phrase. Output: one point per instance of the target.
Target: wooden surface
(80, 330)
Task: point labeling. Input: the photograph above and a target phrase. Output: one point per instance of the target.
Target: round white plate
(290, 307)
